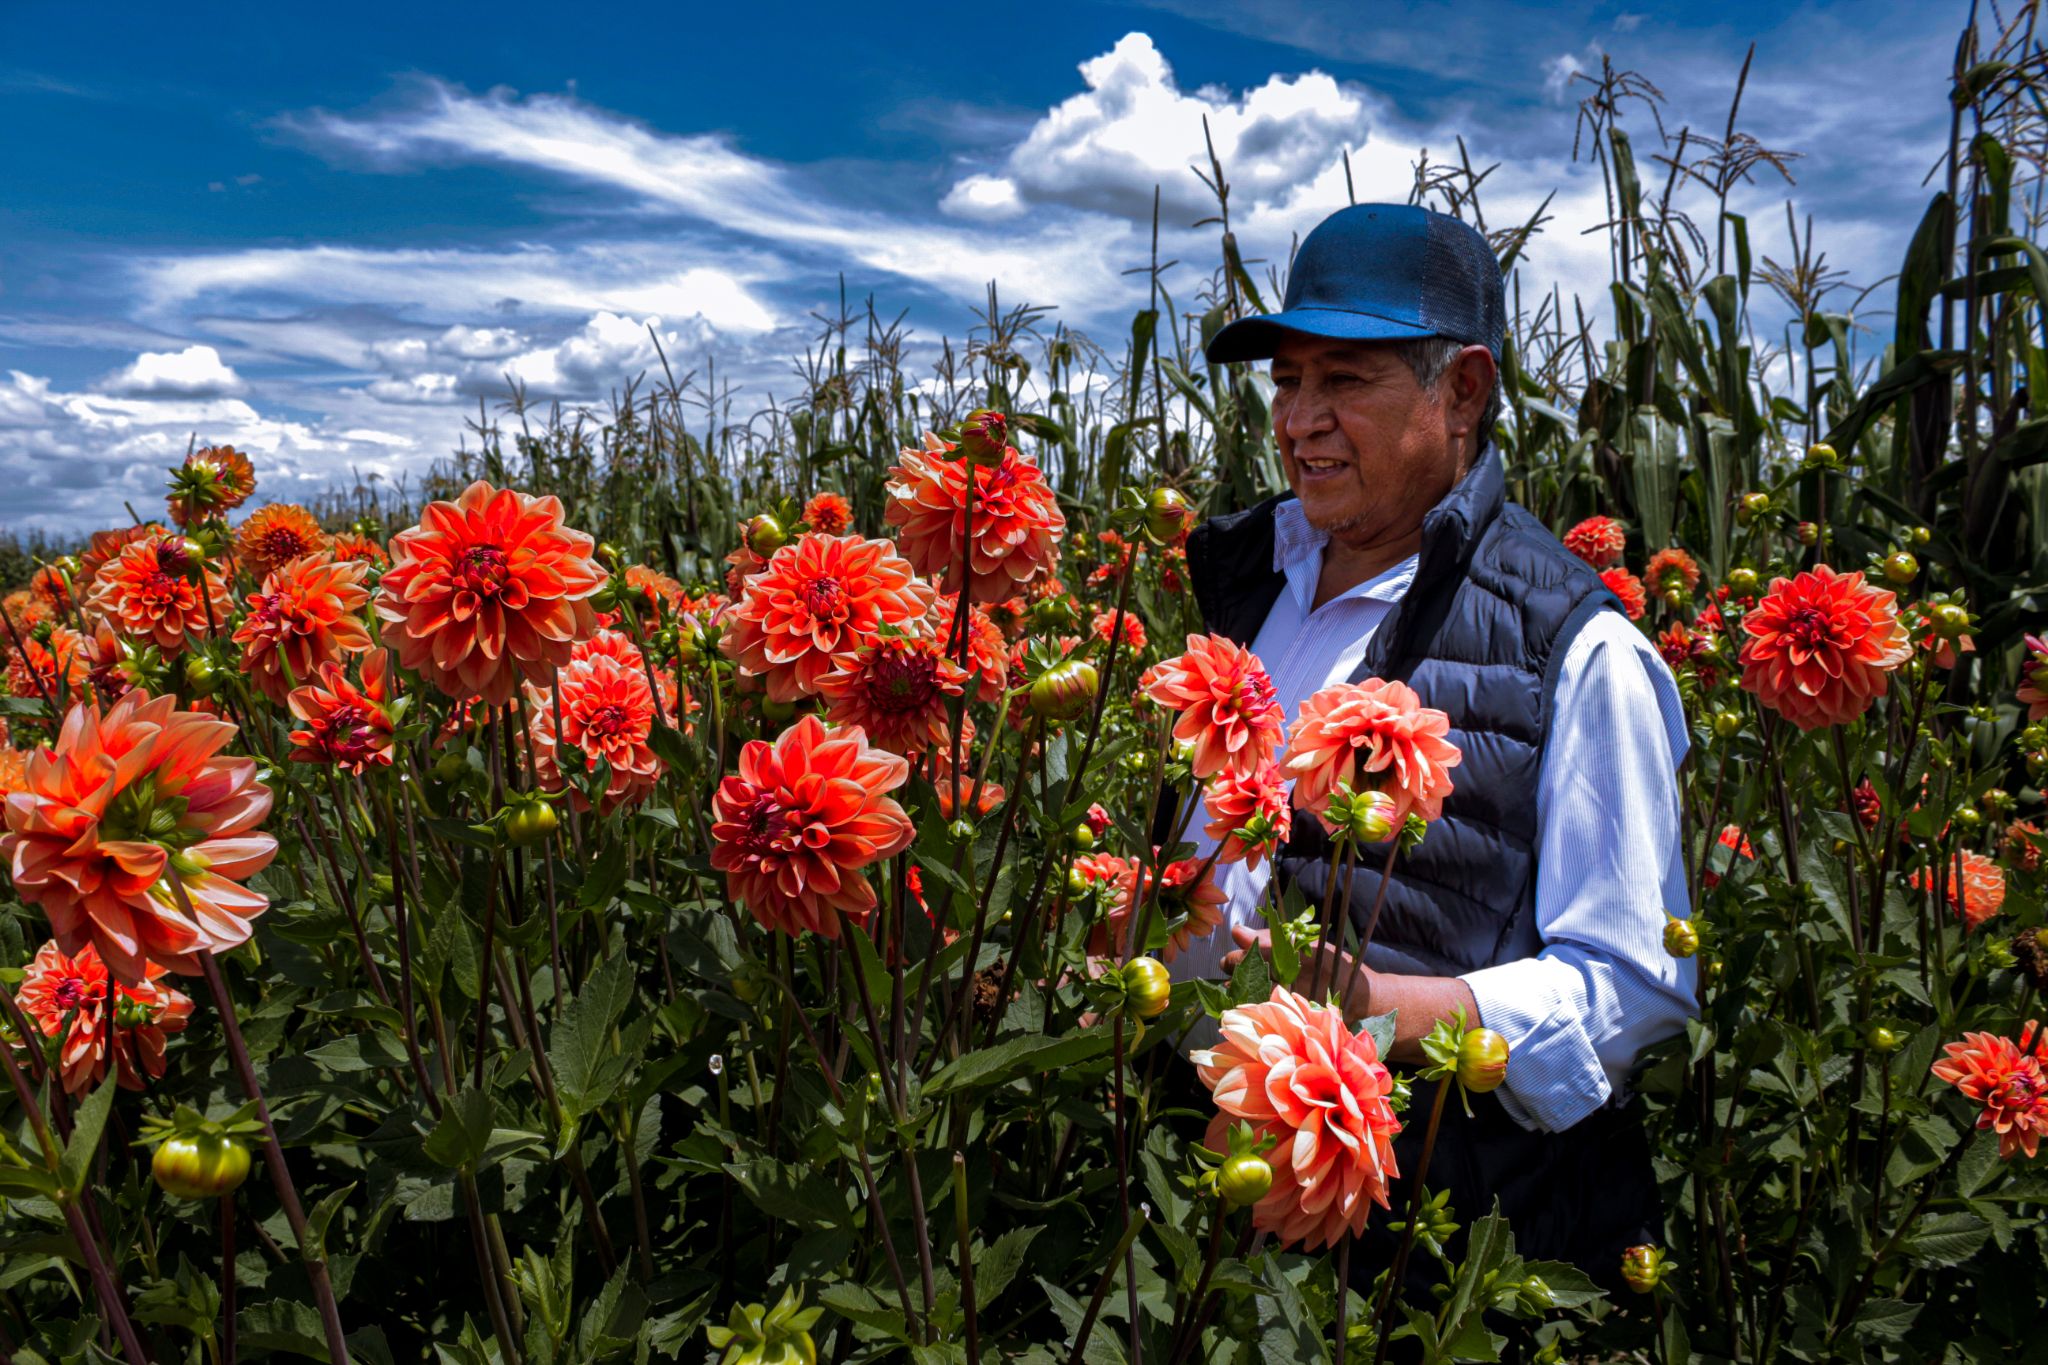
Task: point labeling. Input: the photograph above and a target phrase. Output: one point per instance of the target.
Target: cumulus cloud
(1133, 128)
(195, 372)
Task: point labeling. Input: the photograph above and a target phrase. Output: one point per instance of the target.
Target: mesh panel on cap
(1462, 290)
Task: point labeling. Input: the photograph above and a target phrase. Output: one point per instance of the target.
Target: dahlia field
(679, 884)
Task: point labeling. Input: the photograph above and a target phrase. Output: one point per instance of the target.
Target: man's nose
(1304, 415)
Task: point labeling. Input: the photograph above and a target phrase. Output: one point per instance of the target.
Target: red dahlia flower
(1017, 523)
(351, 547)
(57, 989)
(1599, 541)
(124, 799)
(794, 827)
(1103, 628)
(102, 549)
(988, 653)
(308, 613)
(1225, 704)
(815, 604)
(1821, 646)
(1373, 735)
(1628, 588)
(486, 589)
(1296, 1072)
(1672, 570)
(143, 594)
(1188, 903)
(1976, 890)
(346, 725)
(607, 709)
(53, 671)
(895, 688)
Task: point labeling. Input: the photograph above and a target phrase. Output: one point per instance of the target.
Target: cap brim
(1258, 338)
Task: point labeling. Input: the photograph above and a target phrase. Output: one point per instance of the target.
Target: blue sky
(322, 233)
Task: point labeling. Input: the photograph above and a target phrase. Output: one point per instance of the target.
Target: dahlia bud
(1882, 1040)
(1642, 1268)
(764, 535)
(1368, 817)
(1482, 1060)
(1743, 581)
(202, 678)
(1168, 515)
(778, 712)
(1900, 567)
(1920, 537)
(1998, 954)
(1065, 690)
(1752, 506)
(1244, 1179)
(1821, 455)
(1083, 836)
(1808, 533)
(1681, 938)
(1727, 724)
(1077, 882)
(1951, 620)
(1148, 989)
(984, 437)
(1997, 800)
(1969, 819)
(1098, 819)
(180, 557)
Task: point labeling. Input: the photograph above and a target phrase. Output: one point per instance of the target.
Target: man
(1536, 904)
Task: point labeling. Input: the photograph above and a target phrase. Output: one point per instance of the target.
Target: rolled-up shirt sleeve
(1609, 862)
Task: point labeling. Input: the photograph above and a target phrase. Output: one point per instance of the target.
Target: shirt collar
(1298, 553)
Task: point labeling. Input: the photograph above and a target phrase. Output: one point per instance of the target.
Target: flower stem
(1382, 1315)
(227, 1278)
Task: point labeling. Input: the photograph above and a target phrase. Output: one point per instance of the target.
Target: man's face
(1365, 447)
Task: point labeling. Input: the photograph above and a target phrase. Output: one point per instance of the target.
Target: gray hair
(1430, 358)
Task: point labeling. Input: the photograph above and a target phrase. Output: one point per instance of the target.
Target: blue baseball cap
(1381, 272)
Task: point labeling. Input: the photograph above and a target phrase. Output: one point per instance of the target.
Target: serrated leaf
(1885, 1319)
(459, 1139)
(580, 1044)
(87, 1123)
(314, 1243)
(999, 1263)
(1946, 1239)
(1252, 982)
(1016, 1057)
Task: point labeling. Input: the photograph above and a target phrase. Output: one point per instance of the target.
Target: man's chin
(1332, 521)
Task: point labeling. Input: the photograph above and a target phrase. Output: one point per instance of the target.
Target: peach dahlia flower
(347, 725)
(898, 689)
(1374, 735)
(1295, 1071)
(1234, 800)
(1821, 646)
(606, 709)
(143, 593)
(794, 827)
(2007, 1079)
(276, 534)
(212, 481)
(93, 837)
(487, 588)
(814, 604)
(1225, 703)
(1016, 519)
(1598, 540)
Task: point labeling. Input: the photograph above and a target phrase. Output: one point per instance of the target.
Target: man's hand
(1324, 972)
(1416, 1001)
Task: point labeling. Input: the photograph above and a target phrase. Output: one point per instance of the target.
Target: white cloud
(1557, 75)
(984, 198)
(195, 372)
(1133, 128)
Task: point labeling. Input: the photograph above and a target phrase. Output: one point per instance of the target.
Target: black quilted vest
(1480, 636)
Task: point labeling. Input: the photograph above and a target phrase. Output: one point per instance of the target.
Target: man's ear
(1471, 380)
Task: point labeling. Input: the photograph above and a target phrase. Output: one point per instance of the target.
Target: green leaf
(1381, 1027)
(1885, 1319)
(464, 1130)
(314, 1243)
(87, 1124)
(579, 1048)
(1252, 982)
(1016, 1057)
(365, 1051)
(999, 1263)
(1946, 1239)
(857, 1304)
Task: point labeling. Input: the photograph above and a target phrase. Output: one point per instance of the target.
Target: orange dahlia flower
(1373, 735)
(1017, 523)
(988, 652)
(13, 770)
(1225, 702)
(1599, 541)
(102, 549)
(1188, 903)
(144, 595)
(352, 547)
(487, 588)
(49, 586)
(1821, 646)
(347, 725)
(793, 828)
(815, 604)
(2007, 1079)
(275, 535)
(979, 798)
(57, 989)
(53, 671)
(605, 707)
(1294, 1071)
(1672, 570)
(1248, 815)
(1628, 588)
(896, 689)
(308, 613)
(1104, 627)
(126, 797)
(212, 481)
(656, 589)
(1976, 891)
(828, 514)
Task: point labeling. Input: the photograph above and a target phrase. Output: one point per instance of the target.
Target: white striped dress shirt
(1608, 861)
